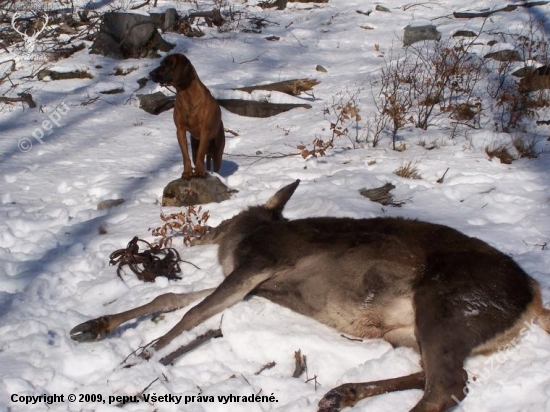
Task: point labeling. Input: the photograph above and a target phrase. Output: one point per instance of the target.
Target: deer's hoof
(147, 353)
(91, 330)
(338, 398)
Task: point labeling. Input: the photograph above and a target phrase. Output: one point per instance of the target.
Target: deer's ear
(278, 201)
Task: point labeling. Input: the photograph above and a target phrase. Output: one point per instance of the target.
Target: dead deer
(415, 284)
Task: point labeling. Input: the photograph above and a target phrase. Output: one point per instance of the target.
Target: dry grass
(525, 147)
(408, 170)
(500, 151)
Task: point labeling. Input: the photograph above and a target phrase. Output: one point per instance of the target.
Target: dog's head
(175, 70)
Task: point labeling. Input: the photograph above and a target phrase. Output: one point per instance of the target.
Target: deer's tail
(543, 319)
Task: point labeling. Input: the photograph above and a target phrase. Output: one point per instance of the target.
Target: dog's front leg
(182, 140)
(233, 289)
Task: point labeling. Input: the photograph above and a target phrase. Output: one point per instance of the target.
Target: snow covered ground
(54, 270)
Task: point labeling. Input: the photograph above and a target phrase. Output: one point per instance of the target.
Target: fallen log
(292, 87)
(253, 108)
(23, 97)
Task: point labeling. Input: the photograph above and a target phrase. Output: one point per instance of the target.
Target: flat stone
(195, 191)
(413, 34)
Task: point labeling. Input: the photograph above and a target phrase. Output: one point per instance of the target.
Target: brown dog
(196, 111)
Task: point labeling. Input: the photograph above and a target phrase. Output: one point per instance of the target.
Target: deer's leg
(351, 393)
(96, 329)
(233, 289)
(446, 338)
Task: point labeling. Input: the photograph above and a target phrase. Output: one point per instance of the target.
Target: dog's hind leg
(194, 148)
(182, 141)
(217, 152)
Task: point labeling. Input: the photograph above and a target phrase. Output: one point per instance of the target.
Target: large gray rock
(504, 56)
(416, 33)
(127, 35)
(191, 192)
(166, 21)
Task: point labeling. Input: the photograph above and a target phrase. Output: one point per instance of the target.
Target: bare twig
(268, 365)
(440, 180)
(195, 343)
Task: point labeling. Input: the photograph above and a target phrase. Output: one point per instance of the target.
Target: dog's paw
(200, 174)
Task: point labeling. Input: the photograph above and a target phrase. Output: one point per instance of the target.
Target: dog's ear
(183, 72)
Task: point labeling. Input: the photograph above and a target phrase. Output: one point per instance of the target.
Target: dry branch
(301, 364)
(268, 365)
(195, 343)
(23, 97)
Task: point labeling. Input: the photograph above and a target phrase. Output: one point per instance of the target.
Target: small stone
(382, 8)
(109, 203)
(320, 68)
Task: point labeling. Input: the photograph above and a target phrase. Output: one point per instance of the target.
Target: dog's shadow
(228, 168)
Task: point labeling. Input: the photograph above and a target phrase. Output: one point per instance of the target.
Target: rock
(538, 79)
(191, 192)
(413, 34)
(127, 35)
(364, 12)
(504, 56)
(53, 75)
(382, 8)
(320, 68)
(109, 203)
(166, 21)
(380, 194)
(464, 33)
(156, 103)
(113, 91)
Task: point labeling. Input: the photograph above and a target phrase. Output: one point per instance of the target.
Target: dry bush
(343, 115)
(525, 147)
(189, 224)
(318, 148)
(513, 102)
(435, 79)
(396, 99)
(500, 151)
(408, 170)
